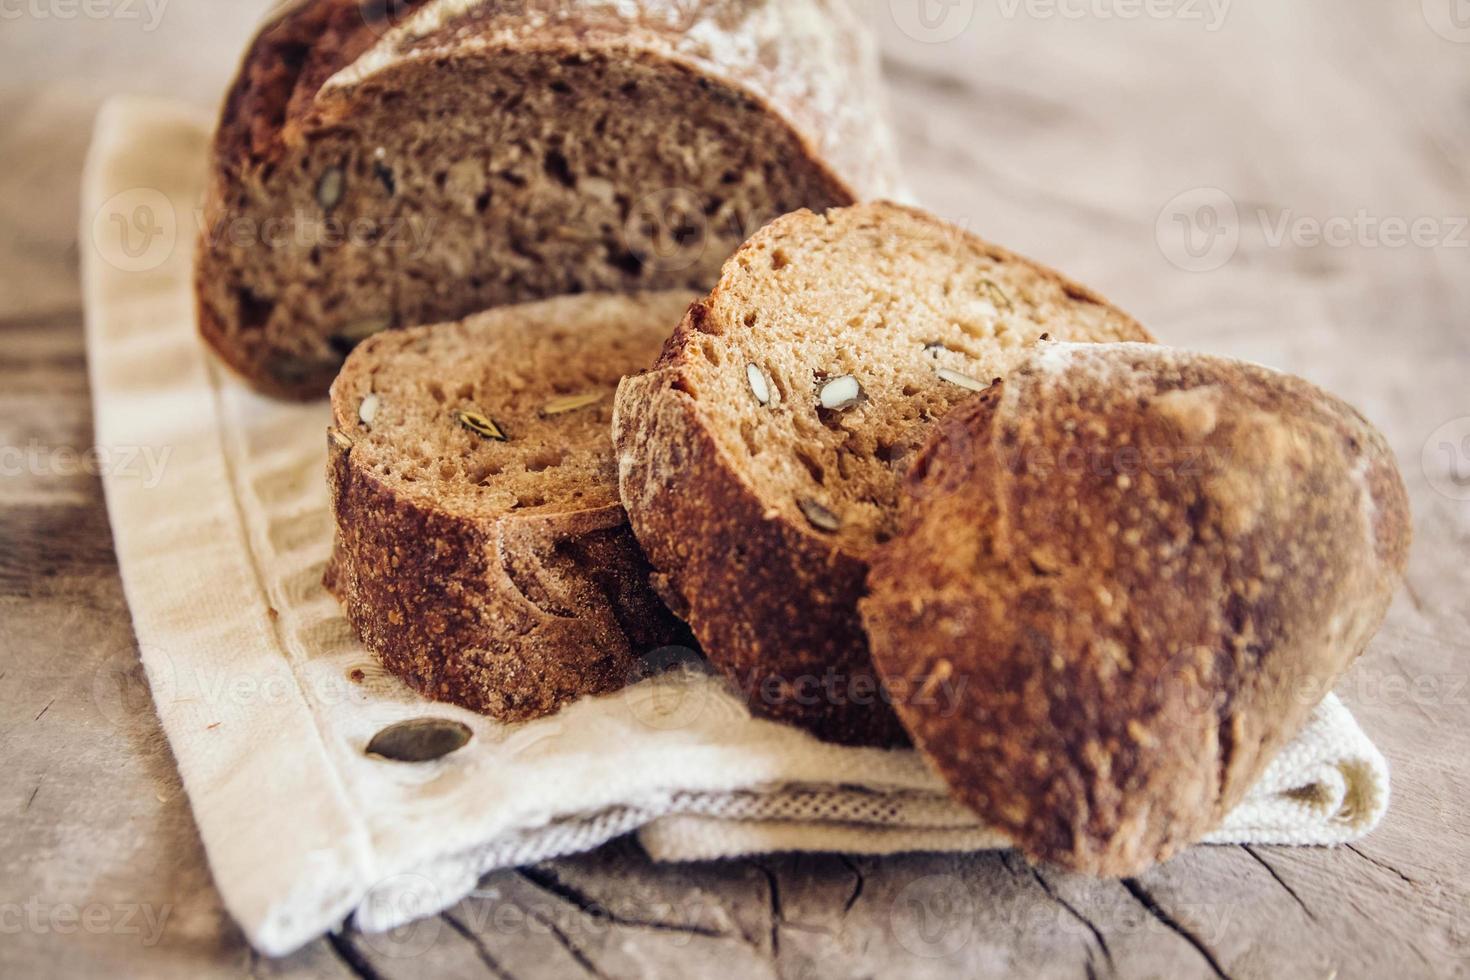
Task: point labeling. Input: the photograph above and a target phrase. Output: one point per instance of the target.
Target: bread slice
(760, 460)
(1143, 567)
(481, 552)
(382, 165)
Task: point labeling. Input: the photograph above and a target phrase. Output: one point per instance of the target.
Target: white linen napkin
(268, 700)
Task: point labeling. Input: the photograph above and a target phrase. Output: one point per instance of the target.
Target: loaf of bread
(373, 171)
(1141, 568)
(481, 552)
(760, 460)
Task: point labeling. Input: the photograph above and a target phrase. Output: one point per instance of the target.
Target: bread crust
(508, 610)
(772, 601)
(1147, 566)
(317, 67)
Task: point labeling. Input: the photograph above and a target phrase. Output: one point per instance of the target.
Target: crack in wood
(1097, 935)
(858, 884)
(773, 891)
(1141, 894)
(481, 950)
(1270, 870)
(43, 711)
(1382, 864)
(351, 957)
(573, 950)
(551, 884)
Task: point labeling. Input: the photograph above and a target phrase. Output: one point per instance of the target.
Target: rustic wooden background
(1287, 182)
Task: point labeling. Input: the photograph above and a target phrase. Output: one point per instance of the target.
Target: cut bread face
(760, 461)
(371, 175)
(1142, 568)
(481, 552)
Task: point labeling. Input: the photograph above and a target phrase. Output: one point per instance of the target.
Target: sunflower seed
(419, 740)
(819, 516)
(570, 403)
(758, 384)
(840, 394)
(481, 425)
(368, 410)
(963, 380)
(329, 188)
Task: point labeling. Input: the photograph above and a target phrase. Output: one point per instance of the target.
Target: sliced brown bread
(1143, 568)
(481, 552)
(760, 461)
(388, 164)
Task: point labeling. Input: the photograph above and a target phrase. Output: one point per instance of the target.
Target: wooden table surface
(1287, 182)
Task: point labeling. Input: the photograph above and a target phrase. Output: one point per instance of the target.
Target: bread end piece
(1143, 568)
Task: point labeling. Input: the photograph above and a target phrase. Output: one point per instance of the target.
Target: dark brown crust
(507, 610)
(277, 101)
(778, 602)
(1136, 635)
(773, 603)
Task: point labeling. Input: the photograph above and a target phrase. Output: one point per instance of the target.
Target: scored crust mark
(1146, 567)
(762, 512)
(369, 175)
(480, 552)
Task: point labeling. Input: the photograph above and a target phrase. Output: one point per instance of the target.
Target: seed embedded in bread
(481, 424)
(877, 293)
(329, 188)
(570, 403)
(496, 573)
(840, 394)
(368, 410)
(963, 380)
(494, 153)
(758, 384)
(820, 516)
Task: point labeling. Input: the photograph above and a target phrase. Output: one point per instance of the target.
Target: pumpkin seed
(840, 394)
(963, 380)
(481, 425)
(419, 740)
(570, 403)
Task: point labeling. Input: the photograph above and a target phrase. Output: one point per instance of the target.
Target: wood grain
(1066, 138)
